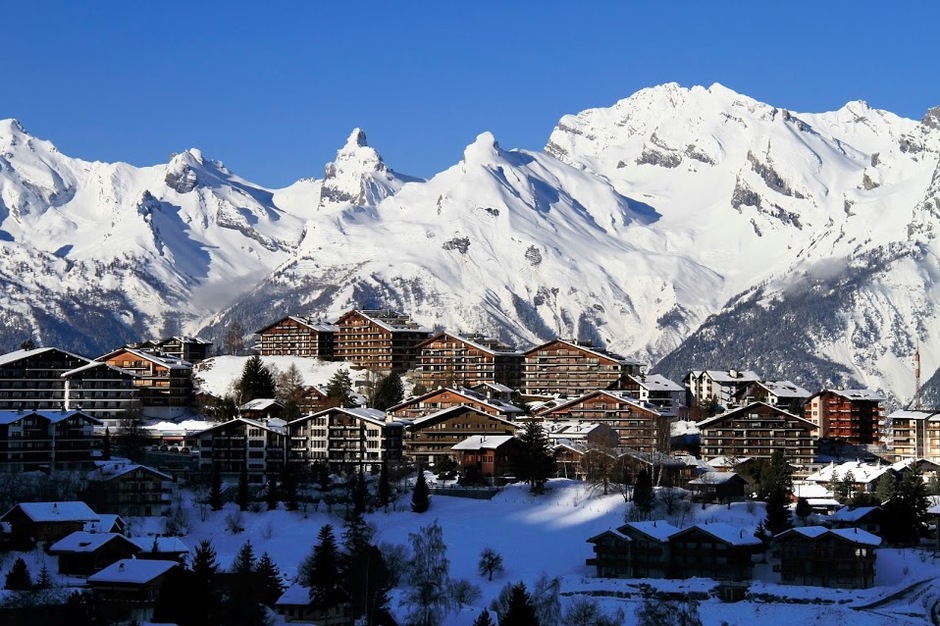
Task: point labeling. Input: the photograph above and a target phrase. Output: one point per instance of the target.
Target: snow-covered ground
(548, 533)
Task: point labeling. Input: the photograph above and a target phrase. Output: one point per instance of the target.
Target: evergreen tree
(389, 392)
(215, 488)
(905, 515)
(643, 495)
(289, 488)
(535, 464)
(803, 509)
(339, 388)
(520, 611)
(256, 381)
(421, 496)
(243, 604)
(106, 444)
(244, 562)
(243, 492)
(18, 578)
(204, 586)
(269, 580)
(778, 511)
(367, 580)
(320, 571)
(45, 578)
(846, 486)
(484, 619)
(886, 487)
(80, 611)
(177, 602)
(383, 493)
(225, 409)
(360, 494)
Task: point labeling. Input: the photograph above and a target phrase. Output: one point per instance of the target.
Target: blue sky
(273, 89)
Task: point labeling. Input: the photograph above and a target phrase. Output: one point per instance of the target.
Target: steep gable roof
(443, 414)
(469, 394)
(81, 541)
(72, 511)
(133, 571)
(747, 409)
(617, 396)
(483, 442)
(596, 351)
(315, 325)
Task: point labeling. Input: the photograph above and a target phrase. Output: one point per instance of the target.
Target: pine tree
(421, 496)
(484, 619)
(271, 493)
(215, 488)
(778, 511)
(45, 578)
(243, 604)
(18, 578)
(256, 381)
(106, 444)
(320, 571)
(243, 493)
(204, 585)
(535, 464)
(520, 611)
(886, 487)
(360, 494)
(389, 392)
(289, 488)
(269, 580)
(905, 515)
(803, 509)
(643, 495)
(339, 388)
(244, 562)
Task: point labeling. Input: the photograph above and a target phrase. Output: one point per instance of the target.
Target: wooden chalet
(378, 340)
(634, 550)
(716, 550)
(128, 489)
(162, 549)
(448, 360)
(638, 425)
(31, 522)
(720, 487)
(756, 431)
(82, 553)
(298, 336)
(867, 518)
(182, 347)
(295, 605)
(46, 440)
(815, 555)
(261, 446)
(164, 383)
(261, 409)
(129, 588)
(430, 438)
(572, 369)
(853, 416)
(447, 397)
(346, 439)
(488, 459)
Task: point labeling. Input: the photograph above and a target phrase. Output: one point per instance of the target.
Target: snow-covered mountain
(690, 227)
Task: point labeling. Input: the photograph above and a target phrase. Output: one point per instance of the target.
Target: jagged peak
(357, 139)
(484, 148)
(12, 126)
(931, 118)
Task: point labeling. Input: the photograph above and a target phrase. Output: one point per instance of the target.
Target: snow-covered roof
(784, 389)
(714, 478)
(470, 341)
(852, 514)
(912, 414)
(182, 428)
(470, 394)
(855, 394)
(730, 376)
(317, 325)
(16, 355)
(71, 511)
(104, 523)
(94, 365)
(619, 396)
(750, 407)
(166, 361)
(721, 462)
(610, 531)
(855, 535)
(811, 490)
(114, 470)
(295, 595)
(392, 321)
(862, 473)
(81, 541)
(595, 350)
(658, 382)
(169, 545)
(483, 442)
(53, 417)
(133, 571)
(373, 416)
(734, 535)
(659, 530)
(261, 404)
(497, 387)
(430, 417)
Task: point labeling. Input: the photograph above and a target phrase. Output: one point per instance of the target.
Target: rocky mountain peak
(484, 149)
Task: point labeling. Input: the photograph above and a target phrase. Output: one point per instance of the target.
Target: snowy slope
(696, 227)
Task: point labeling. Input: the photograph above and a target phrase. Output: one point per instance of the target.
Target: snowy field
(548, 533)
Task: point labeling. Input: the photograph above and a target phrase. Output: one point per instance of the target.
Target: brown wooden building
(839, 558)
(438, 399)
(46, 440)
(346, 439)
(82, 553)
(489, 459)
(430, 438)
(46, 521)
(638, 425)
(102, 391)
(183, 347)
(32, 379)
(128, 489)
(572, 369)
(129, 588)
(715, 550)
(448, 360)
(756, 431)
(164, 384)
(634, 550)
(298, 336)
(853, 416)
(378, 340)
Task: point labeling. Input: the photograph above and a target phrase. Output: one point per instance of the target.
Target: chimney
(120, 567)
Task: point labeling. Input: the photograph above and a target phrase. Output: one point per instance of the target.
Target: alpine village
(109, 463)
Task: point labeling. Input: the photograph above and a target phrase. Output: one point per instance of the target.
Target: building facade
(46, 440)
(430, 438)
(445, 398)
(854, 416)
(298, 336)
(562, 367)
(345, 439)
(756, 431)
(638, 425)
(164, 384)
(378, 340)
(258, 446)
(447, 360)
